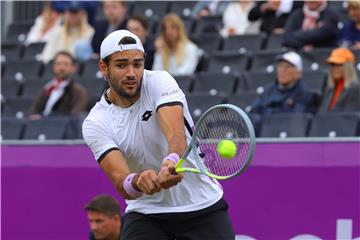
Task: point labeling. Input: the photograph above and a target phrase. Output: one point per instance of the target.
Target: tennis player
(137, 131)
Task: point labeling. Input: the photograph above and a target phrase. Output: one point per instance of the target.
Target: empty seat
(198, 104)
(315, 59)
(151, 9)
(18, 107)
(48, 128)
(264, 61)
(257, 81)
(32, 89)
(334, 124)
(286, 125)
(10, 51)
(209, 42)
(17, 31)
(244, 43)
(94, 86)
(11, 128)
(10, 88)
(274, 42)
(185, 82)
(33, 51)
(214, 83)
(91, 70)
(228, 62)
(314, 80)
(243, 100)
(182, 8)
(22, 69)
(207, 24)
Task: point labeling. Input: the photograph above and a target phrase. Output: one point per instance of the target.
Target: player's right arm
(114, 164)
(116, 168)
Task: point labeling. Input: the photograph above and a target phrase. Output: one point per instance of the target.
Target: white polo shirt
(136, 133)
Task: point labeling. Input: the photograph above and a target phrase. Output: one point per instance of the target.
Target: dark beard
(120, 91)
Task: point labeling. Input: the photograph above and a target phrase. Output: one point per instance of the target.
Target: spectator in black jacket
(313, 26)
(114, 12)
(273, 14)
(287, 94)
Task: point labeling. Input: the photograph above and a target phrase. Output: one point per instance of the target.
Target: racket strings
(218, 125)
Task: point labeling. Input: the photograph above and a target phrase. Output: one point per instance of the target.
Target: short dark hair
(67, 54)
(142, 20)
(104, 204)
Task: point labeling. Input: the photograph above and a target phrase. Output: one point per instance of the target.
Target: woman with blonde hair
(175, 53)
(343, 86)
(74, 30)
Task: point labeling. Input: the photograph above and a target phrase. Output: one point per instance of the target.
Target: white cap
(293, 58)
(111, 43)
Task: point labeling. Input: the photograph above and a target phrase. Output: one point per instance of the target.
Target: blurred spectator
(287, 94)
(175, 53)
(350, 34)
(75, 29)
(235, 19)
(273, 14)
(114, 12)
(103, 213)
(315, 25)
(89, 6)
(343, 86)
(61, 95)
(140, 27)
(45, 25)
(209, 8)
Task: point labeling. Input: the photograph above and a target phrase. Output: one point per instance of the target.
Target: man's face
(124, 73)
(114, 11)
(63, 67)
(103, 226)
(136, 28)
(287, 73)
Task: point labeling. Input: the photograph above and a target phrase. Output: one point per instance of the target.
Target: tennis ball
(227, 149)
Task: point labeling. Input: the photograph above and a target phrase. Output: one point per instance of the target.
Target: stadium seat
(10, 51)
(10, 88)
(32, 89)
(12, 128)
(244, 43)
(286, 125)
(209, 42)
(315, 59)
(17, 107)
(228, 62)
(151, 9)
(214, 83)
(33, 51)
(208, 24)
(257, 81)
(185, 82)
(182, 8)
(17, 31)
(48, 128)
(314, 80)
(198, 104)
(264, 61)
(274, 42)
(94, 86)
(334, 124)
(91, 70)
(22, 69)
(243, 100)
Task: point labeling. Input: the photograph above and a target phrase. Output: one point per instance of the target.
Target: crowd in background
(71, 33)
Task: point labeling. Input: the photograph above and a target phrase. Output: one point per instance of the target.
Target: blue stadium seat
(12, 128)
(214, 83)
(228, 62)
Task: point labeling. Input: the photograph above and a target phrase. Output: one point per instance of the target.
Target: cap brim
(334, 60)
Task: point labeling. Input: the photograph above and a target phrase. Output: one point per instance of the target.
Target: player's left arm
(171, 122)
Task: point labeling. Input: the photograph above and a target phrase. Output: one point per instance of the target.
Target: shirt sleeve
(165, 90)
(98, 139)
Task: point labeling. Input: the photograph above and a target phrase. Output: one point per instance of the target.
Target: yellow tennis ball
(227, 149)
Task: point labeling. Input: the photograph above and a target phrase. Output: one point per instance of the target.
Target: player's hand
(147, 182)
(167, 175)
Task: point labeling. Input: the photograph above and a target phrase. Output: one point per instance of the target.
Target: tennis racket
(223, 121)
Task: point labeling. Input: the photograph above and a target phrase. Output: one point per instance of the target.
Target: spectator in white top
(45, 25)
(175, 53)
(76, 29)
(235, 19)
